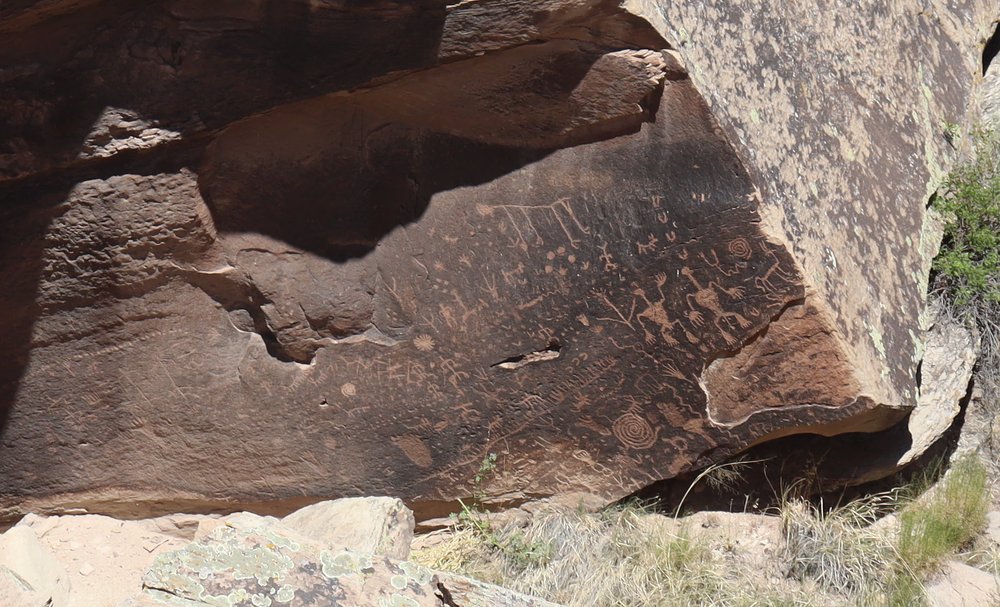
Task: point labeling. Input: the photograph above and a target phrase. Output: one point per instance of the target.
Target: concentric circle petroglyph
(740, 248)
(348, 389)
(634, 431)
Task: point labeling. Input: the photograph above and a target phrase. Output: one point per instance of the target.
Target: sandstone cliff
(260, 251)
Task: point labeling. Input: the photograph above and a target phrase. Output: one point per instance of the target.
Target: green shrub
(968, 265)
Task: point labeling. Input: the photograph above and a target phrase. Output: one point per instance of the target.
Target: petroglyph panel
(366, 274)
(568, 307)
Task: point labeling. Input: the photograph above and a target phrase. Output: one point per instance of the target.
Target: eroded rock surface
(357, 247)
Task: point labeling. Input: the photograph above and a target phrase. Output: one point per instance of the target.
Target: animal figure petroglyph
(764, 282)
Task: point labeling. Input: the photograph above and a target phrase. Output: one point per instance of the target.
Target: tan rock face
(255, 251)
(378, 525)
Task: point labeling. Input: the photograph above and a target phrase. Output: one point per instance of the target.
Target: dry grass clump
(619, 558)
(630, 556)
(840, 548)
(949, 518)
(878, 565)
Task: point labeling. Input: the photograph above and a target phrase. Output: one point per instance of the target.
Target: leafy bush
(968, 265)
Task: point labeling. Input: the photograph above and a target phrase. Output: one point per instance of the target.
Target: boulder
(359, 247)
(17, 592)
(103, 559)
(963, 586)
(247, 564)
(374, 525)
(31, 571)
(950, 356)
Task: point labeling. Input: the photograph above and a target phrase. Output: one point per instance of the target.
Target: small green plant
(968, 265)
(947, 519)
(511, 543)
(952, 132)
(472, 514)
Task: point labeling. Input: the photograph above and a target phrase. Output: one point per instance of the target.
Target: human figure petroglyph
(509, 275)
(607, 259)
(649, 246)
(707, 298)
(656, 313)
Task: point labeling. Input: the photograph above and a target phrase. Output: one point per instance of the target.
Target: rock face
(254, 251)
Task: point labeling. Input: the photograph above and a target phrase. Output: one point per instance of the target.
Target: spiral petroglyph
(739, 247)
(634, 431)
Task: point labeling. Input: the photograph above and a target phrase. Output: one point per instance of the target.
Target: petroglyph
(526, 220)
(634, 431)
(739, 247)
(707, 298)
(775, 271)
(656, 313)
(423, 342)
(541, 302)
(414, 449)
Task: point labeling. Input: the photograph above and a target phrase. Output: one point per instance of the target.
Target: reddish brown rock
(259, 251)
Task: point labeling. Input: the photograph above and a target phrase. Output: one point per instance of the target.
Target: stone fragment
(950, 356)
(376, 525)
(993, 527)
(34, 567)
(963, 586)
(17, 592)
(105, 557)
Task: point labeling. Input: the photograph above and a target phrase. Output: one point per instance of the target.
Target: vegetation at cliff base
(968, 265)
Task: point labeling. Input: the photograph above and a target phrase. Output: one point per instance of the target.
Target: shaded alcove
(991, 49)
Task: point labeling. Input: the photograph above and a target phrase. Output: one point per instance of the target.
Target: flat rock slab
(963, 586)
(103, 559)
(376, 525)
(253, 565)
